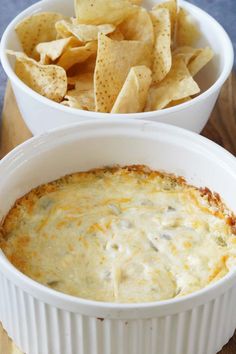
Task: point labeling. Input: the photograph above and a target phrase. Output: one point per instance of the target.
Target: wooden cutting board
(221, 128)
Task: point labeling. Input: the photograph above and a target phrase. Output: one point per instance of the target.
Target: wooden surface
(221, 128)
(13, 129)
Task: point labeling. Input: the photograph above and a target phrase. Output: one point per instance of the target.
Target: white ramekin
(43, 321)
(41, 114)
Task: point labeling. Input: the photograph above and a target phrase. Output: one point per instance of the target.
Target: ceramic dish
(41, 320)
(41, 114)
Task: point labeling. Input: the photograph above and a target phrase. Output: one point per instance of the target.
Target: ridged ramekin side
(39, 328)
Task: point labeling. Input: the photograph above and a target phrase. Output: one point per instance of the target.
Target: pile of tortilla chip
(114, 56)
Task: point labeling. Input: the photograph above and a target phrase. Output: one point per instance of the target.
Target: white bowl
(43, 321)
(41, 114)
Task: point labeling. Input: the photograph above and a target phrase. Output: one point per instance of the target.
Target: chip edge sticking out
(132, 97)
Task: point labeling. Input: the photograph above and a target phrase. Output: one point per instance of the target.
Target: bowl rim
(228, 64)
(72, 303)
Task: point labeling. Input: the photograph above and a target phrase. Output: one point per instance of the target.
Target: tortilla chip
(138, 27)
(187, 32)
(82, 82)
(62, 30)
(84, 33)
(98, 12)
(133, 95)
(36, 29)
(114, 60)
(136, 2)
(72, 102)
(48, 80)
(177, 84)
(117, 35)
(77, 55)
(45, 60)
(194, 58)
(203, 57)
(88, 66)
(162, 48)
(170, 5)
(186, 53)
(80, 99)
(54, 49)
(177, 102)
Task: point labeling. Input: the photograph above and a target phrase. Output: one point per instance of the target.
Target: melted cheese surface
(120, 235)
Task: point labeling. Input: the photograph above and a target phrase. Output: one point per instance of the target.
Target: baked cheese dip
(122, 234)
